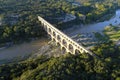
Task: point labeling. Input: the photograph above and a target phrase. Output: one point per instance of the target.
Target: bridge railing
(65, 36)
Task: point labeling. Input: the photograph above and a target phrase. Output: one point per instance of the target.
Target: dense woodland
(64, 67)
(26, 24)
(67, 67)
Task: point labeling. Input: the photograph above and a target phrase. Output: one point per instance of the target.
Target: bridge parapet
(54, 32)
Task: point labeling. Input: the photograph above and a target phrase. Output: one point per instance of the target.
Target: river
(22, 50)
(95, 27)
(32, 47)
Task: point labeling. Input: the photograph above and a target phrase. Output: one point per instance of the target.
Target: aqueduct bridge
(62, 39)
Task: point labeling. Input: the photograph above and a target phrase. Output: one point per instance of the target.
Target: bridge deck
(65, 36)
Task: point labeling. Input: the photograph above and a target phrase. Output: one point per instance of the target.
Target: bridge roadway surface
(63, 40)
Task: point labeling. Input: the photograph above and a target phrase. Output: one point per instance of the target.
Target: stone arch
(70, 47)
(69, 52)
(83, 51)
(58, 44)
(54, 34)
(58, 38)
(54, 39)
(63, 49)
(49, 30)
(45, 27)
(64, 42)
(77, 51)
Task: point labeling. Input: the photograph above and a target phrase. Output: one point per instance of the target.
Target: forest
(19, 18)
(67, 66)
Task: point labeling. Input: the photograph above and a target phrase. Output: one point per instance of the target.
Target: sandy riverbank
(22, 49)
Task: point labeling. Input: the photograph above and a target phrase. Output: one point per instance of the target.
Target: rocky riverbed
(84, 34)
(32, 49)
(21, 50)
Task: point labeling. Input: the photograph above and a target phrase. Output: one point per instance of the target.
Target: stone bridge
(63, 40)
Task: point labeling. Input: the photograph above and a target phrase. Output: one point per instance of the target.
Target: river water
(32, 47)
(95, 27)
(22, 50)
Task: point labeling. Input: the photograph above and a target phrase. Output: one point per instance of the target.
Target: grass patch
(112, 32)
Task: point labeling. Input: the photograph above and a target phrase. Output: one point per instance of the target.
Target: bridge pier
(65, 42)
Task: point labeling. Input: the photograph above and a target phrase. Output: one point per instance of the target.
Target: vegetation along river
(28, 48)
(95, 27)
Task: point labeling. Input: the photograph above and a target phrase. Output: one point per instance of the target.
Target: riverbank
(113, 32)
(47, 47)
(22, 50)
(86, 34)
(94, 27)
(106, 17)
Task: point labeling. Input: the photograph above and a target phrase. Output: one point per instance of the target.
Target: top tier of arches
(63, 39)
